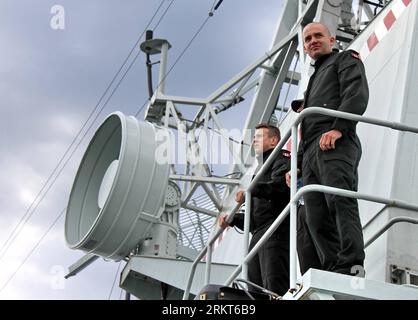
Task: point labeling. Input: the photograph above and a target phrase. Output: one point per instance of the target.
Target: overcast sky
(52, 76)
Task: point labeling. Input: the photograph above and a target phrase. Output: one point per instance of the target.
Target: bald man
(331, 151)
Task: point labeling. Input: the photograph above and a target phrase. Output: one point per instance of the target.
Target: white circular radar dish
(107, 183)
(119, 189)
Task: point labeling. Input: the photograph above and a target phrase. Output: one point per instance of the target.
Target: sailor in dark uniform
(269, 268)
(331, 151)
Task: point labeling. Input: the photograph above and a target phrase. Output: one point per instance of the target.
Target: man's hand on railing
(240, 196)
(222, 221)
(289, 179)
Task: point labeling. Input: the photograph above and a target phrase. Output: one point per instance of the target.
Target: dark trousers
(308, 258)
(333, 221)
(269, 268)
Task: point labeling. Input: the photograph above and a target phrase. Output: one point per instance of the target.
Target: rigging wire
(27, 215)
(148, 36)
(114, 281)
(33, 249)
(72, 153)
(184, 50)
(218, 4)
(162, 16)
(213, 6)
(180, 56)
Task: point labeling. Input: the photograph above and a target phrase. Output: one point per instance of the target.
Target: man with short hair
(331, 150)
(270, 266)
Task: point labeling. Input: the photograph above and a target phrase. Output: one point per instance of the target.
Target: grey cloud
(51, 76)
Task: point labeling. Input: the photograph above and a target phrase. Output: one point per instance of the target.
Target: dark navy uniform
(270, 266)
(339, 83)
(308, 258)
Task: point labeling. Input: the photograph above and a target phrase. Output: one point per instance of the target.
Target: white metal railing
(331, 190)
(389, 224)
(295, 195)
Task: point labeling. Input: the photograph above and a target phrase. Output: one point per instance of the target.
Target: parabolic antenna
(120, 187)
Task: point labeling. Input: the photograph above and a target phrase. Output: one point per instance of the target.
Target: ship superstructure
(132, 201)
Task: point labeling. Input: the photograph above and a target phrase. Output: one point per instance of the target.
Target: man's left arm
(354, 90)
(277, 182)
(354, 93)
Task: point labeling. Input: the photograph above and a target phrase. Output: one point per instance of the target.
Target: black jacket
(339, 83)
(269, 196)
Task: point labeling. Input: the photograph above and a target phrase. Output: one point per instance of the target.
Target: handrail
(325, 189)
(201, 255)
(293, 192)
(293, 187)
(389, 224)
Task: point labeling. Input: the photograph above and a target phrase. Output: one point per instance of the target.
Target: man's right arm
(354, 90)
(299, 164)
(237, 221)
